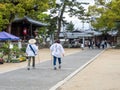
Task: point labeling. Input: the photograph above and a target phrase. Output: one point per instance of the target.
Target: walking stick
(38, 48)
(38, 57)
(51, 58)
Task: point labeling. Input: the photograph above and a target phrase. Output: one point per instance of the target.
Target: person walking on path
(57, 51)
(103, 44)
(31, 51)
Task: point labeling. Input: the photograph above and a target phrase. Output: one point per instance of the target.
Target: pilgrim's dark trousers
(55, 60)
(33, 61)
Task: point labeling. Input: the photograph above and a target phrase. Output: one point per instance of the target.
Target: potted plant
(18, 55)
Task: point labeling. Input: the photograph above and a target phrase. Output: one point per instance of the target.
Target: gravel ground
(102, 74)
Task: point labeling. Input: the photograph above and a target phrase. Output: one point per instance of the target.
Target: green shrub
(23, 49)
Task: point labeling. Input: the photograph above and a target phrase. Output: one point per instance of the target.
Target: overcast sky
(78, 24)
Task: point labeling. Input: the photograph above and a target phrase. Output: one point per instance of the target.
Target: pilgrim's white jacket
(57, 50)
(29, 52)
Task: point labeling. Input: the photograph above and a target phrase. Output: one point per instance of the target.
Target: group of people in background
(99, 44)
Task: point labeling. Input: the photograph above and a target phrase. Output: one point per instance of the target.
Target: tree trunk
(9, 28)
(59, 28)
(60, 19)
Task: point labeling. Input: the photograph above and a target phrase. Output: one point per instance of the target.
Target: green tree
(9, 9)
(72, 7)
(108, 15)
(70, 27)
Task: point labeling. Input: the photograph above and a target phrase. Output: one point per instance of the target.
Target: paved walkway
(44, 77)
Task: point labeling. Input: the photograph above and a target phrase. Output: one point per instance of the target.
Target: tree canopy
(72, 7)
(106, 14)
(10, 9)
(70, 27)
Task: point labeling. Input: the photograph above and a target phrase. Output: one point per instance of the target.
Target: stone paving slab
(44, 77)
